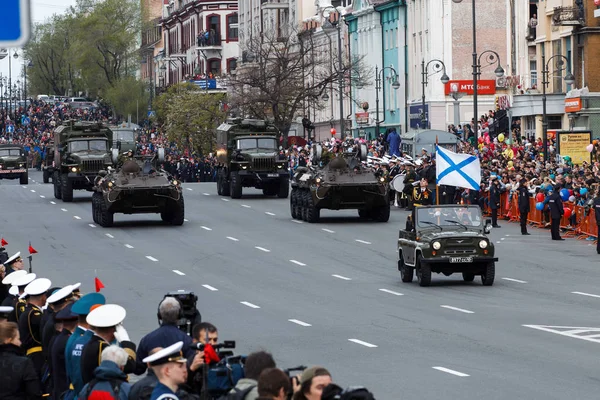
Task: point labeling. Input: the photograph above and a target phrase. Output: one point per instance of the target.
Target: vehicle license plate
(272, 175)
(461, 259)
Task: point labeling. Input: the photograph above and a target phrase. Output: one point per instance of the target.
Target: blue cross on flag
(461, 170)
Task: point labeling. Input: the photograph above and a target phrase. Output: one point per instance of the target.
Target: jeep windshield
(449, 217)
(88, 145)
(257, 144)
(10, 152)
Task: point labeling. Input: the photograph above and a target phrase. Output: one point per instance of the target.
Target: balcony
(208, 42)
(274, 4)
(568, 16)
(531, 34)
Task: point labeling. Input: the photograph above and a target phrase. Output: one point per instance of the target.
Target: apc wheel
(406, 272)
(284, 188)
(220, 184)
(381, 214)
(66, 188)
(106, 219)
(24, 180)
(293, 200)
(56, 183)
(423, 272)
(312, 212)
(488, 275)
(235, 186)
(176, 215)
(468, 277)
(96, 198)
(304, 201)
(46, 176)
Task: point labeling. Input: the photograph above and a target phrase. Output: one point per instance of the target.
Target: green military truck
(247, 154)
(48, 163)
(13, 163)
(81, 152)
(125, 136)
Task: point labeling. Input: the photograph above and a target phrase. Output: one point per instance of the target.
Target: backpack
(237, 394)
(222, 377)
(114, 384)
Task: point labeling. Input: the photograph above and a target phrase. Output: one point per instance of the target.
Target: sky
(40, 11)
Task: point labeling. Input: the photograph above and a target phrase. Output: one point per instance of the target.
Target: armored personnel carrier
(137, 186)
(339, 181)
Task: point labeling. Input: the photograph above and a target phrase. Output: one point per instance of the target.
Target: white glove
(121, 334)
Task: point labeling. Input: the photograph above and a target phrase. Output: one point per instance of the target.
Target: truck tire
(225, 184)
(284, 188)
(24, 179)
(219, 184)
(381, 214)
(488, 274)
(176, 214)
(56, 183)
(468, 277)
(423, 272)
(66, 188)
(406, 272)
(46, 176)
(106, 219)
(235, 186)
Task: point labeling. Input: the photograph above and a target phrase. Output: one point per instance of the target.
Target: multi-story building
(200, 40)
(151, 43)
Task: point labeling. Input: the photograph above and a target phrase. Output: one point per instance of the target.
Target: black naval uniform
(420, 197)
(18, 305)
(92, 352)
(29, 329)
(57, 363)
(523, 208)
(597, 211)
(556, 213)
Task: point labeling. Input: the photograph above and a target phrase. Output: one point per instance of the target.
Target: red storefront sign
(466, 86)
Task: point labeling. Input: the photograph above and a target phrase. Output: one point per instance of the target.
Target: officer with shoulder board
(422, 196)
(524, 205)
(170, 368)
(556, 212)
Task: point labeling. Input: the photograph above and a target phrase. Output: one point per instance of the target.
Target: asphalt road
(330, 293)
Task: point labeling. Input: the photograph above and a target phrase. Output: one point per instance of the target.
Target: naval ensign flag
(461, 170)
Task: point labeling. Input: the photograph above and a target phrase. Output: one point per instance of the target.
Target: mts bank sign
(483, 87)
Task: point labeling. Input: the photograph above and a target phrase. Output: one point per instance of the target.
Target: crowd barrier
(580, 225)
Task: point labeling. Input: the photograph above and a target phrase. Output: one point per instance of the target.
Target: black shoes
(526, 234)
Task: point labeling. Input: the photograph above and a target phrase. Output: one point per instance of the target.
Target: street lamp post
(561, 64)
(439, 66)
(340, 66)
(378, 86)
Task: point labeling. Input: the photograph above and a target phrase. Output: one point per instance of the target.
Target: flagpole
(437, 187)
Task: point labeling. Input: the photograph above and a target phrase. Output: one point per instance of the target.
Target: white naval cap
(24, 280)
(12, 259)
(4, 311)
(37, 287)
(106, 316)
(169, 354)
(61, 294)
(13, 291)
(10, 278)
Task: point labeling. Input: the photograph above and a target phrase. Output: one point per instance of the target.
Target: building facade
(151, 43)
(200, 41)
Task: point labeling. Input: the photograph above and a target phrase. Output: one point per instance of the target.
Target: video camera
(334, 392)
(227, 344)
(189, 315)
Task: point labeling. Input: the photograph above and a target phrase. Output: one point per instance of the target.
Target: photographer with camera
(202, 333)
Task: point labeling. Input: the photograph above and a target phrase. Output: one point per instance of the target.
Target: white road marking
(362, 343)
(32, 191)
(498, 242)
(206, 194)
(391, 292)
(42, 196)
(587, 294)
(451, 371)
(341, 277)
(52, 202)
(128, 246)
(269, 213)
(151, 258)
(507, 235)
(212, 289)
(190, 189)
(246, 206)
(109, 235)
(296, 221)
(328, 230)
(28, 178)
(64, 209)
(362, 241)
(24, 187)
(262, 249)
(514, 280)
(575, 332)
(232, 238)
(298, 263)
(502, 238)
(225, 199)
(92, 225)
(206, 228)
(76, 217)
(298, 322)
(249, 304)
(178, 272)
(186, 220)
(458, 309)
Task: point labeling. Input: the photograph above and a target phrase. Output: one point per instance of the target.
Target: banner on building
(415, 115)
(573, 105)
(466, 86)
(362, 118)
(573, 144)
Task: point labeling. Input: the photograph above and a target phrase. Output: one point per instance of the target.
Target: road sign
(151, 114)
(10, 129)
(26, 121)
(16, 23)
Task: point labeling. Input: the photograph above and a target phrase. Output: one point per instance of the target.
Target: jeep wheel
(381, 214)
(46, 176)
(176, 213)
(56, 183)
(235, 186)
(284, 188)
(66, 188)
(406, 272)
(468, 277)
(105, 217)
(24, 180)
(488, 274)
(423, 272)
(364, 214)
(312, 212)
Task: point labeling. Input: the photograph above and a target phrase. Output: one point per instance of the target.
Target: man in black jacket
(556, 212)
(524, 205)
(597, 213)
(495, 192)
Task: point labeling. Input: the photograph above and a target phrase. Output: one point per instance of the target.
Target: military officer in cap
(18, 290)
(7, 281)
(58, 300)
(524, 207)
(15, 263)
(106, 321)
(170, 367)
(58, 371)
(77, 341)
(422, 196)
(5, 311)
(556, 212)
(29, 321)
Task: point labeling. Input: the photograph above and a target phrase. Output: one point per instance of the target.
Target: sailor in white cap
(5, 312)
(30, 320)
(56, 302)
(106, 322)
(170, 368)
(14, 263)
(7, 280)
(16, 290)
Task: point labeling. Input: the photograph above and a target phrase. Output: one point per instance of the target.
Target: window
(533, 72)
(554, 121)
(231, 65)
(214, 66)
(213, 26)
(232, 27)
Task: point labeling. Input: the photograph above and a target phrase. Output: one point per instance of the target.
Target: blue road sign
(26, 121)
(10, 129)
(151, 114)
(16, 23)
